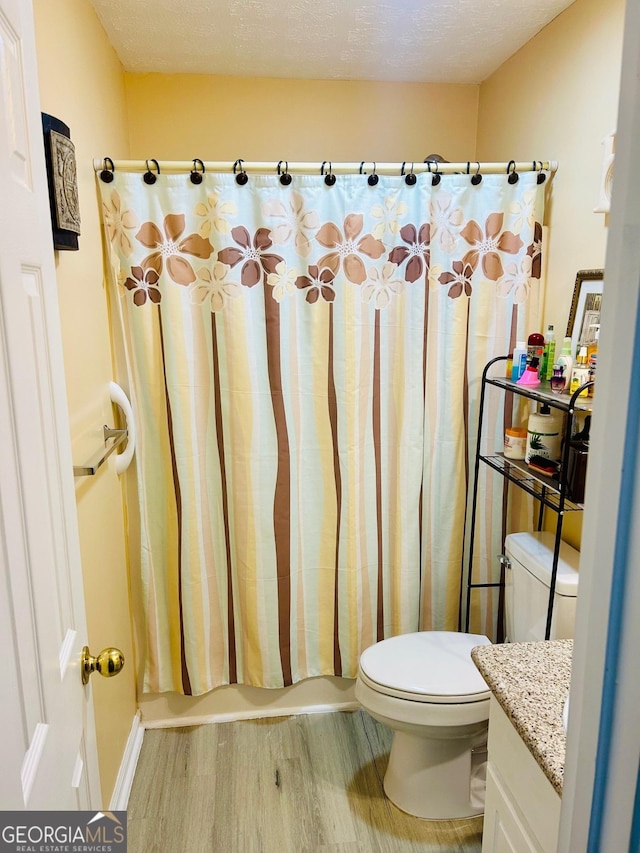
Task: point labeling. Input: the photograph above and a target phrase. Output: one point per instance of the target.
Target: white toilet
(427, 689)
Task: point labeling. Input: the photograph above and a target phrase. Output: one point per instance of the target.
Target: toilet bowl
(427, 689)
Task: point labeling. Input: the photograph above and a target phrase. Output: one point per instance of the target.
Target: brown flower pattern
(144, 284)
(507, 252)
(169, 248)
(486, 245)
(257, 264)
(347, 247)
(535, 251)
(459, 280)
(318, 284)
(417, 252)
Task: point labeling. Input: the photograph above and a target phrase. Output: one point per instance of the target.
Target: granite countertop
(531, 683)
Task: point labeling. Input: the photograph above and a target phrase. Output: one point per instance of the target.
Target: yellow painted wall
(81, 82)
(223, 118)
(557, 98)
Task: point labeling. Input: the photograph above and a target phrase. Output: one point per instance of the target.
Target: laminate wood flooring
(302, 784)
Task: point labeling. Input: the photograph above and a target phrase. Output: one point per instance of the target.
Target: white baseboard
(253, 714)
(122, 788)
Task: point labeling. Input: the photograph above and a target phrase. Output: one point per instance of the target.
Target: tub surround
(531, 683)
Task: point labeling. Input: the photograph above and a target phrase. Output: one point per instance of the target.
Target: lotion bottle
(565, 360)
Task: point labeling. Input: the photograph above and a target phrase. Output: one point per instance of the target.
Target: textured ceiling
(437, 41)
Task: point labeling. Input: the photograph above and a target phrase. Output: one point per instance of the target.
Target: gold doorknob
(109, 662)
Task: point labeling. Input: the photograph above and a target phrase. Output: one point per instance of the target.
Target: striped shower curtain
(304, 366)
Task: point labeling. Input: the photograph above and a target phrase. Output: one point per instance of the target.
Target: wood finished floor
(303, 784)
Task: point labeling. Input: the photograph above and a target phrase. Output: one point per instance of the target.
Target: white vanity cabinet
(522, 808)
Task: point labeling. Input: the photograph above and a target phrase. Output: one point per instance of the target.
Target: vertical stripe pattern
(304, 363)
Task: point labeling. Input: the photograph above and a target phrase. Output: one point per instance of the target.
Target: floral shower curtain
(304, 365)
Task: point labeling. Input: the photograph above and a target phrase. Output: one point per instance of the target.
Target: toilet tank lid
(534, 551)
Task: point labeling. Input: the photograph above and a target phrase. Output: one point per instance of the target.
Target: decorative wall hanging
(60, 158)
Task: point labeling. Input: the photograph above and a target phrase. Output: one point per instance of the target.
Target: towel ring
(106, 174)
(149, 177)
(123, 460)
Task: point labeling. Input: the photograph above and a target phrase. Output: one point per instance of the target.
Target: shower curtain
(304, 365)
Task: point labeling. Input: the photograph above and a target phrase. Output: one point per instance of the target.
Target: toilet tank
(527, 585)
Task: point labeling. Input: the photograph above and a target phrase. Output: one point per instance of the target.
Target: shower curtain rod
(365, 167)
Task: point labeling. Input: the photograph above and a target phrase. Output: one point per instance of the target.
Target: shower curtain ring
(514, 177)
(541, 175)
(437, 177)
(373, 179)
(241, 176)
(477, 178)
(106, 174)
(410, 179)
(329, 178)
(361, 167)
(149, 177)
(285, 177)
(196, 175)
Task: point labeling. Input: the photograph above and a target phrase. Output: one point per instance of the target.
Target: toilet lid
(428, 666)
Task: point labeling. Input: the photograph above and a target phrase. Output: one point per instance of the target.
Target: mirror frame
(587, 287)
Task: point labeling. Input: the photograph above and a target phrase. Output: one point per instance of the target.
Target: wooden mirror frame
(585, 305)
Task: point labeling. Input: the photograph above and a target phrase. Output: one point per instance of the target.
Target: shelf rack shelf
(544, 489)
(550, 492)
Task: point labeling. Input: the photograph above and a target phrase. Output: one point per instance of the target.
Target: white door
(48, 755)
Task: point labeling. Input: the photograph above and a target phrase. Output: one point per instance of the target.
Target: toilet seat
(426, 666)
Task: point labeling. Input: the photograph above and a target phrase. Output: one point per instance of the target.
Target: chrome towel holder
(113, 438)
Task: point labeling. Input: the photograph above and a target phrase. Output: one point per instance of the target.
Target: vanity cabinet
(549, 492)
(522, 808)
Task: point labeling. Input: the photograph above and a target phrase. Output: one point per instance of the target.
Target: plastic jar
(515, 442)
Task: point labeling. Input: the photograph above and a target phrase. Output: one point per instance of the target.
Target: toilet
(427, 689)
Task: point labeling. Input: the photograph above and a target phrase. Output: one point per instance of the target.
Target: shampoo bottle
(548, 355)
